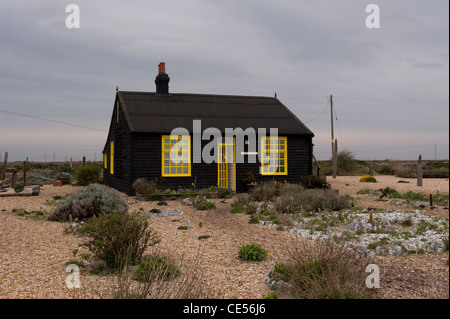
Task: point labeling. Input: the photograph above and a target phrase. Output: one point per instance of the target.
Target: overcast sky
(390, 85)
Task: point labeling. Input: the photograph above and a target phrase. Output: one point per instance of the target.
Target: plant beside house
(249, 180)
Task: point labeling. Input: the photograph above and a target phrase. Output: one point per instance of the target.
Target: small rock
(154, 211)
(162, 203)
(398, 251)
(223, 201)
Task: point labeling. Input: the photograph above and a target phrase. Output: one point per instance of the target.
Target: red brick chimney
(162, 80)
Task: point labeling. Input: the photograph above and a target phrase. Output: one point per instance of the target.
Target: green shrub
(220, 191)
(87, 174)
(204, 204)
(281, 272)
(368, 179)
(252, 252)
(237, 210)
(271, 295)
(90, 201)
(254, 220)
(153, 267)
(119, 239)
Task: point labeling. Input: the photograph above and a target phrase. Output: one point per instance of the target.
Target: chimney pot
(162, 67)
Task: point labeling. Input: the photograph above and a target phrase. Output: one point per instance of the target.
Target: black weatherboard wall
(145, 116)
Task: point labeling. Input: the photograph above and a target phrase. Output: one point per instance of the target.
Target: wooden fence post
(370, 168)
(419, 171)
(3, 171)
(24, 173)
(13, 179)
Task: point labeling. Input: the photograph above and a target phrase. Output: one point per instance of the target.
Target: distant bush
(119, 239)
(346, 161)
(93, 200)
(385, 169)
(252, 252)
(312, 181)
(368, 179)
(87, 174)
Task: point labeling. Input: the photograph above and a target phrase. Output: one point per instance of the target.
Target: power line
(395, 101)
(316, 117)
(54, 121)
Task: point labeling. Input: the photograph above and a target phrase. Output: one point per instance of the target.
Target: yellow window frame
(180, 148)
(111, 168)
(274, 157)
(105, 161)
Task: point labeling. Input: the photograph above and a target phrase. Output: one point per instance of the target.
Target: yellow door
(226, 166)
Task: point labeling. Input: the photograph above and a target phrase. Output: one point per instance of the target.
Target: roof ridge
(204, 94)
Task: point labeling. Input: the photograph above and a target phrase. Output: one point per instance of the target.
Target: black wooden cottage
(140, 144)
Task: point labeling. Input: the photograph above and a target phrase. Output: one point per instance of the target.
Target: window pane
(179, 170)
(166, 170)
(166, 163)
(173, 170)
(166, 155)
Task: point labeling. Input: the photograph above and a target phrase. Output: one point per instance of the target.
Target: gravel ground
(33, 252)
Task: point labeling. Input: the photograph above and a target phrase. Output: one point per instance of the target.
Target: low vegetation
(322, 271)
(88, 174)
(368, 179)
(252, 252)
(119, 239)
(144, 186)
(93, 200)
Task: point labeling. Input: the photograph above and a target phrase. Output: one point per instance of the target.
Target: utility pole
(333, 155)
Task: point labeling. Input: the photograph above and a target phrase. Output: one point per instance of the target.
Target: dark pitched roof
(148, 112)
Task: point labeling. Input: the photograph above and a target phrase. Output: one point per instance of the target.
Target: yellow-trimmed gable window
(176, 155)
(111, 166)
(273, 155)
